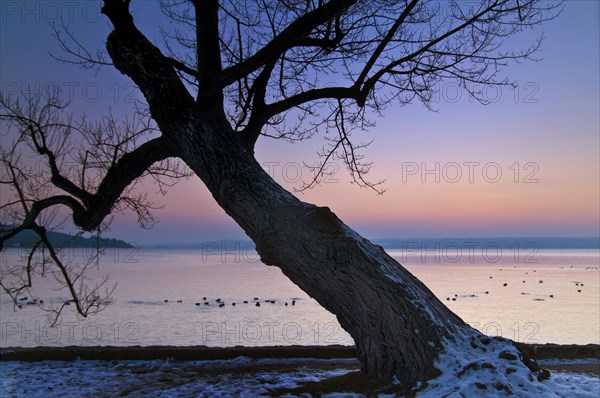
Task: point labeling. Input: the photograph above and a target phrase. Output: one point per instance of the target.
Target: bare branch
(88, 170)
(110, 160)
(287, 38)
(75, 51)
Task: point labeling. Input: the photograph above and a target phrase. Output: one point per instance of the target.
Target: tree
(233, 72)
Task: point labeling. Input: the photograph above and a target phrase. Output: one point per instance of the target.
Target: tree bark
(397, 323)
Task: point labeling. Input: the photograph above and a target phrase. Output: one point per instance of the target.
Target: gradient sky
(543, 138)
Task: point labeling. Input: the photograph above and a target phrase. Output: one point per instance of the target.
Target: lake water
(471, 283)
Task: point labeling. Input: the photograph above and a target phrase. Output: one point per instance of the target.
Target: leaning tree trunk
(397, 323)
(399, 327)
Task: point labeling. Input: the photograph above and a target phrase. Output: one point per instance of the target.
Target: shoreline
(572, 358)
(200, 352)
(181, 353)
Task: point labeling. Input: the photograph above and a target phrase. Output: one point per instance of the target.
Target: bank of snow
(494, 368)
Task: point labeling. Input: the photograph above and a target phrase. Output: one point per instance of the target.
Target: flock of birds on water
(220, 303)
(257, 302)
(505, 284)
(33, 301)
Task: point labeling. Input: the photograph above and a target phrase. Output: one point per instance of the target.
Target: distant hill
(62, 240)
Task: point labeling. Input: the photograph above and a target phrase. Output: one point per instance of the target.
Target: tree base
(485, 366)
(470, 366)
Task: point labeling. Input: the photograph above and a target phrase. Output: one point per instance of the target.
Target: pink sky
(549, 127)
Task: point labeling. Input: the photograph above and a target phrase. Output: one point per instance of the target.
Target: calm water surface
(507, 293)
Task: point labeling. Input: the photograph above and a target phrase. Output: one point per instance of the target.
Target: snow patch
(496, 370)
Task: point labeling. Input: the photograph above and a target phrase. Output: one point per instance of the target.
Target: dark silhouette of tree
(233, 72)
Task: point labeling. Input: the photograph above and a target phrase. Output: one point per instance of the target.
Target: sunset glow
(542, 135)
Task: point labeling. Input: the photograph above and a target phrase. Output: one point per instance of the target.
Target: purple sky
(525, 165)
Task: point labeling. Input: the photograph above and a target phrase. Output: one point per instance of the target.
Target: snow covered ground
(241, 377)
